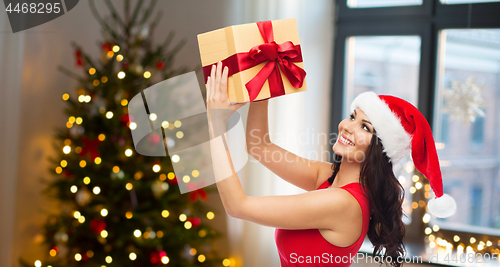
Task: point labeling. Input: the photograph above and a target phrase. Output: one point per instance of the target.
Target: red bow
(284, 54)
(90, 146)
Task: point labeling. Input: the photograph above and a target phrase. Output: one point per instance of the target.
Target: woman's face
(358, 131)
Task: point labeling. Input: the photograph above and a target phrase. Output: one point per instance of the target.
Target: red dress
(309, 248)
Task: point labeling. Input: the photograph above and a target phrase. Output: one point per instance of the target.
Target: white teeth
(347, 141)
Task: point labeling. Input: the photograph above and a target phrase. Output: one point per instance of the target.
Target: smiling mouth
(345, 141)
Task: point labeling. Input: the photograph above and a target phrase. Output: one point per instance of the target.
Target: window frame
(426, 21)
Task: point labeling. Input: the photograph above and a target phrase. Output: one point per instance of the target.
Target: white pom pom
(442, 207)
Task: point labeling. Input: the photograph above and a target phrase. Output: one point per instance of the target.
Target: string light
(226, 262)
(188, 225)
(66, 149)
(95, 82)
(165, 259)
(121, 75)
(147, 74)
(156, 168)
(58, 170)
(128, 215)
(73, 189)
(418, 185)
(83, 163)
(182, 217)
(53, 252)
(77, 214)
(165, 213)
(192, 251)
(65, 97)
(81, 98)
(104, 79)
(164, 124)
(96, 190)
(179, 134)
(163, 177)
(119, 57)
(109, 259)
(435, 228)
(104, 212)
(78, 257)
(177, 124)
(472, 240)
(109, 114)
(489, 243)
(116, 169)
(152, 116)
(129, 186)
(175, 158)
(413, 190)
(69, 124)
(137, 233)
(138, 175)
(195, 173)
(124, 102)
(210, 215)
(132, 256)
(132, 126)
(128, 152)
(79, 120)
(415, 178)
(171, 175)
(116, 48)
(38, 263)
(456, 238)
(91, 71)
(110, 54)
(202, 233)
(428, 230)
(101, 137)
(97, 160)
(81, 219)
(104, 233)
(90, 254)
(186, 179)
(201, 258)
(64, 163)
(159, 234)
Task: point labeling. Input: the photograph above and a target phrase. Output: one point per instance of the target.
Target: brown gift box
(220, 44)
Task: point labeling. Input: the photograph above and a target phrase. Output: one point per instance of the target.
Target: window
(447, 57)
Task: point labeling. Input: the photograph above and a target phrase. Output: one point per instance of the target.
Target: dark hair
(386, 194)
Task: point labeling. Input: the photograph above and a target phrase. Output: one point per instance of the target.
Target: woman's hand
(218, 105)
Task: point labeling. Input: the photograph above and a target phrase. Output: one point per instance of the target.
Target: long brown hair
(386, 194)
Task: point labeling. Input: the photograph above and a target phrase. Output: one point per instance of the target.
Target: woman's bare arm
(301, 172)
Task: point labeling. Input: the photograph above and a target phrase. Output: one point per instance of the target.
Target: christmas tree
(119, 208)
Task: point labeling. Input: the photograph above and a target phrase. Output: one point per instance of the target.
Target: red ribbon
(90, 146)
(277, 56)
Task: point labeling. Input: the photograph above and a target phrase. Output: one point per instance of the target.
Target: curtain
(297, 122)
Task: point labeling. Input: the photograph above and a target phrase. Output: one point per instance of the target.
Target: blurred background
(442, 56)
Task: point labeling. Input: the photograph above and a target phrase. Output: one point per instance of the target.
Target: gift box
(264, 59)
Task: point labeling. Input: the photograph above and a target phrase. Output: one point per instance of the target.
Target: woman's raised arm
(301, 172)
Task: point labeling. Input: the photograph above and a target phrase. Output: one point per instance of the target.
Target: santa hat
(401, 128)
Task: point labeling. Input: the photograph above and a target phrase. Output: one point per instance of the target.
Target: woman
(327, 224)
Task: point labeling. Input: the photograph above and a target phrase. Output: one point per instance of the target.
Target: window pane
(467, 1)
(466, 120)
(382, 3)
(385, 65)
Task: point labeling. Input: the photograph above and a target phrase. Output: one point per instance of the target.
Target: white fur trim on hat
(395, 140)
(442, 207)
